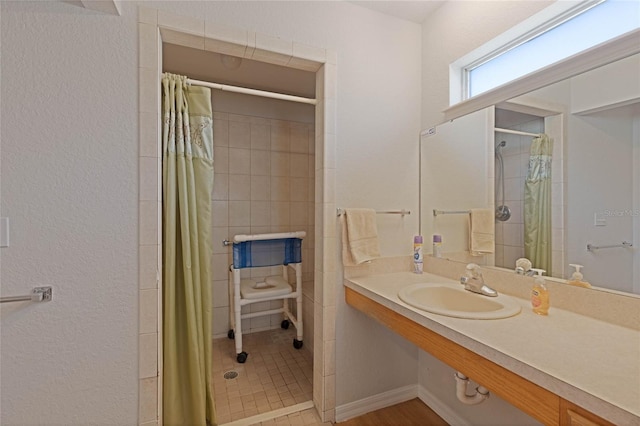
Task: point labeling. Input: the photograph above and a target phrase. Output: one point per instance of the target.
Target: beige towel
(481, 232)
(359, 236)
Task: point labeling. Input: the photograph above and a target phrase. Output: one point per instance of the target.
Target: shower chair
(260, 250)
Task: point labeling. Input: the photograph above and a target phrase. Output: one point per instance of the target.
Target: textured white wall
(69, 173)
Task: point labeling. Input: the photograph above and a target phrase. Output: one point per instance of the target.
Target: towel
(481, 232)
(359, 236)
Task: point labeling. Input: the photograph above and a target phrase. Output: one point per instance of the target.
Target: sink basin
(449, 300)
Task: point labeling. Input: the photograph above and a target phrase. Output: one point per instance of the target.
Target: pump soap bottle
(577, 277)
(539, 294)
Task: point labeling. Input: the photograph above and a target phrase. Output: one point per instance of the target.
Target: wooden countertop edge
(533, 399)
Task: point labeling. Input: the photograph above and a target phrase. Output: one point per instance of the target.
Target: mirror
(481, 160)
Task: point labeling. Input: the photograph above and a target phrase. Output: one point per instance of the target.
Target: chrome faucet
(473, 281)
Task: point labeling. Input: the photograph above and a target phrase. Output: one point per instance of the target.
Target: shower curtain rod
(254, 92)
(516, 132)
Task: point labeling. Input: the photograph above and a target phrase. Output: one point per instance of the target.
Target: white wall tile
(148, 355)
(260, 136)
(220, 131)
(239, 161)
(260, 163)
(260, 188)
(148, 400)
(220, 213)
(280, 188)
(148, 222)
(148, 311)
(239, 134)
(147, 267)
(279, 138)
(239, 213)
(260, 213)
(239, 187)
(147, 15)
(220, 186)
(280, 162)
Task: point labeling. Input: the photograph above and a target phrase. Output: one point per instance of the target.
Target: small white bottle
(437, 245)
(417, 254)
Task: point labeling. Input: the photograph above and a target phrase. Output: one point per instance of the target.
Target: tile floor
(274, 376)
(307, 417)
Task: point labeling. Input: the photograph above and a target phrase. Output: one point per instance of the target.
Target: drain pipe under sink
(479, 396)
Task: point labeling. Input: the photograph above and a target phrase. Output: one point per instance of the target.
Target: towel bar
(402, 212)
(625, 244)
(438, 212)
(39, 294)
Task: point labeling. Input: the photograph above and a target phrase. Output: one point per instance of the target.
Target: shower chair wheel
(242, 357)
(297, 343)
(284, 324)
(231, 335)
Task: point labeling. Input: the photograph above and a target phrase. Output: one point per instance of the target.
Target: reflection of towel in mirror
(481, 232)
(359, 236)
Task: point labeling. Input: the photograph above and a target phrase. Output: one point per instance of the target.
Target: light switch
(599, 219)
(4, 232)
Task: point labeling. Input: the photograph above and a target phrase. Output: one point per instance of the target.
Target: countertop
(587, 361)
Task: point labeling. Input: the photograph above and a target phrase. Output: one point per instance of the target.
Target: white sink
(454, 301)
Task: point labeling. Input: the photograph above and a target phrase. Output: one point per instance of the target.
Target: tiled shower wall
(264, 182)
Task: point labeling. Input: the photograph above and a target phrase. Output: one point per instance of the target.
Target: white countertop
(587, 361)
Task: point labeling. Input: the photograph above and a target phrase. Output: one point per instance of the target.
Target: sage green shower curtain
(537, 204)
(187, 170)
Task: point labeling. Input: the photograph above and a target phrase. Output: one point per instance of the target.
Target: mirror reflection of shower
(503, 213)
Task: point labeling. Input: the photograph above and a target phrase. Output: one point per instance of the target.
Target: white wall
(69, 172)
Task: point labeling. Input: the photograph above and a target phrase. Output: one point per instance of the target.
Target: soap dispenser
(577, 277)
(539, 294)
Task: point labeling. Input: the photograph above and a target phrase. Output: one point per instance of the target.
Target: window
(571, 32)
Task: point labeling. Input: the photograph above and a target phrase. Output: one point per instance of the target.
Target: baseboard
(440, 408)
(375, 402)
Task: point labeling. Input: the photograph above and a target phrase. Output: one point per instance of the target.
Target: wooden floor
(412, 412)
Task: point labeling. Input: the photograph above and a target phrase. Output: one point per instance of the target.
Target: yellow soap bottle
(577, 277)
(539, 294)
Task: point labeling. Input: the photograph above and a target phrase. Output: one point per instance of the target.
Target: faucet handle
(474, 270)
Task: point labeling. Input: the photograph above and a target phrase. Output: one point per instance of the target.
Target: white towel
(359, 236)
(481, 232)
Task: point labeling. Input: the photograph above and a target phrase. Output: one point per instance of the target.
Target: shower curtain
(537, 204)
(187, 172)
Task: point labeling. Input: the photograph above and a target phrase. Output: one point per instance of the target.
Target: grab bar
(39, 294)
(625, 244)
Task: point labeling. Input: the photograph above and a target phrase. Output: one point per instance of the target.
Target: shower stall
(513, 135)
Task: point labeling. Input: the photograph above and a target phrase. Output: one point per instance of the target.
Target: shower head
(501, 145)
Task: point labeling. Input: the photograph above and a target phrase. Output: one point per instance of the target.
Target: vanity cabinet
(572, 415)
(538, 402)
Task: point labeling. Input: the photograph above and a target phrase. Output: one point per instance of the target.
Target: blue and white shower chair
(251, 251)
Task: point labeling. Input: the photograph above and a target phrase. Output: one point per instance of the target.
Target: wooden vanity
(467, 347)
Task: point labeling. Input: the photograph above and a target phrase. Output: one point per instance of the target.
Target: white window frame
(563, 13)
(602, 54)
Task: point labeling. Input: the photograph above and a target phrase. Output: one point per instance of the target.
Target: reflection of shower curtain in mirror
(537, 204)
